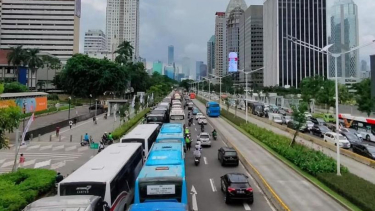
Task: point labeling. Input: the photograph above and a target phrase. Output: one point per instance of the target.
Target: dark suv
(236, 187)
(227, 155)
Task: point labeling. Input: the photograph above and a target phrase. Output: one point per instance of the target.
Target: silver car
(202, 120)
(204, 138)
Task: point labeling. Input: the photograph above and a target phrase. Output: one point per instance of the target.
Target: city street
(63, 156)
(293, 189)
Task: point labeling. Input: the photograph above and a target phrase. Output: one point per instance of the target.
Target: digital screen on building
(233, 62)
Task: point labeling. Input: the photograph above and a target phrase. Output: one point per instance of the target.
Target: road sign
(94, 146)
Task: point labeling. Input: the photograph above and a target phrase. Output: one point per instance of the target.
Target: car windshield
(202, 117)
(352, 137)
(371, 150)
(342, 138)
(288, 117)
(204, 136)
(230, 153)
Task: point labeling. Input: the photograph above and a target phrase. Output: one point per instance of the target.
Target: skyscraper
(95, 41)
(251, 45)
(186, 67)
(158, 67)
(169, 71)
(211, 54)
(49, 25)
(220, 44)
(170, 54)
(344, 36)
(285, 62)
(198, 70)
(233, 27)
(203, 70)
(122, 19)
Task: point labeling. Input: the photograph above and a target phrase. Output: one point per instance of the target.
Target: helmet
(105, 132)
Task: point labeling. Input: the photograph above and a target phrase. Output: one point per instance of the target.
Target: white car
(331, 137)
(204, 138)
(202, 120)
(367, 135)
(309, 125)
(351, 130)
(307, 114)
(198, 115)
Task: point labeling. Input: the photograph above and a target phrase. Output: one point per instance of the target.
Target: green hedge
(357, 190)
(23, 187)
(123, 129)
(49, 110)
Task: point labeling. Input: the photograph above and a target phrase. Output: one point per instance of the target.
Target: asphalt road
(63, 156)
(293, 189)
(205, 179)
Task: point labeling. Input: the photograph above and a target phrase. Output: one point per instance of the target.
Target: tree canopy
(15, 87)
(365, 102)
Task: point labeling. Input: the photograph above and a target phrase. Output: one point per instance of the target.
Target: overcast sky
(188, 25)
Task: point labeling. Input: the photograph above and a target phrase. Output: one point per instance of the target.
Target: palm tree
(125, 52)
(34, 61)
(17, 57)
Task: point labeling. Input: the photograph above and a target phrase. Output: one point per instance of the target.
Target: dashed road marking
(2, 161)
(213, 185)
(195, 129)
(42, 164)
(27, 163)
(83, 149)
(224, 143)
(33, 147)
(58, 148)
(246, 206)
(58, 165)
(205, 160)
(71, 148)
(45, 147)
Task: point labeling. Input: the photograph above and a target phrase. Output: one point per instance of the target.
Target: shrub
(231, 117)
(357, 190)
(23, 187)
(15, 87)
(123, 129)
(53, 97)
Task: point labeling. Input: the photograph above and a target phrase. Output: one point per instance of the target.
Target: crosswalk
(44, 155)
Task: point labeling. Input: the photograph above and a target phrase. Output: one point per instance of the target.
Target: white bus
(145, 134)
(177, 116)
(111, 175)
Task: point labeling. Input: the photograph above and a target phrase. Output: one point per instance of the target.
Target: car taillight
(249, 189)
(231, 189)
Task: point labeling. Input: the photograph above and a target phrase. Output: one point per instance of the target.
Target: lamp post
(90, 102)
(70, 98)
(246, 73)
(24, 112)
(324, 50)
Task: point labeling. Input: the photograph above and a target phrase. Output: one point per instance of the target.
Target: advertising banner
(7, 103)
(233, 62)
(32, 104)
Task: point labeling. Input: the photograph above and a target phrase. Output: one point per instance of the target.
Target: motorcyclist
(105, 137)
(110, 137)
(202, 126)
(214, 133)
(86, 138)
(197, 153)
(189, 115)
(59, 177)
(187, 131)
(94, 119)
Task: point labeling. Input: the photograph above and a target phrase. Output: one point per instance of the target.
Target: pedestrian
(22, 159)
(70, 124)
(188, 142)
(75, 121)
(57, 131)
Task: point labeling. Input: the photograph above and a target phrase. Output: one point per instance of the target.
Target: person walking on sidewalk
(22, 160)
(70, 124)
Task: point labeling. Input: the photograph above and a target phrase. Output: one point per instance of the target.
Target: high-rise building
(344, 36)
(211, 54)
(203, 70)
(50, 25)
(95, 41)
(158, 67)
(186, 66)
(169, 71)
(170, 54)
(180, 77)
(287, 63)
(198, 70)
(122, 24)
(251, 45)
(233, 27)
(220, 44)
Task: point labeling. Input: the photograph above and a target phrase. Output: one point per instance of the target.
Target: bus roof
(170, 135)
(141, 131)
(171, 128)
(213, 103)
(165, 154)
(105, 165)
(357, 118)
(157, 206)
(161, 171)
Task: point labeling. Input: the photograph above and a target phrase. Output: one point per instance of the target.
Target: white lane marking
(224, 143)
(194, 198)
(82, 149)
(195, 129)
(23, 146)
(27, 163)
(57, 148)
(213, 185)
(246, 206)
(71, 148)
(6, 164)
(58, 165)
(193, 123)
(33, 147)
(2, 161)
(205, 160)
(42, 164)
(45, 147)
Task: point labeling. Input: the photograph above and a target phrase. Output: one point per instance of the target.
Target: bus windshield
(155, 119)
(177, 117)
(163, 189)
(214, 105)
(80, 188)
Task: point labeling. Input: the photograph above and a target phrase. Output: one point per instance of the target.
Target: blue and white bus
(157, 206)
(170, 138)
(165, 183)
(213, 109)
(166, 154)
(172, 128)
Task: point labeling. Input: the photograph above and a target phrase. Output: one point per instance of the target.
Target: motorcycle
(189, 123)
(105, 116)
(202, 128)
(84, 143)
(197, 160)
(215, 136)
(101, 147)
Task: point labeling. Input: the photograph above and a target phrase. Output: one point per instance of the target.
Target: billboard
(78, 8)
(233, 62)
(32, 104)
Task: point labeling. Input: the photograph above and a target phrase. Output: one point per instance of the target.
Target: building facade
(198, 70)
(50, 25)
(122, 24)
(251, 45)
(158, 67)
(95, 41)
(211, 55)
(220, 44)
(203, 70)
(170, 54)
(286, 63)
(344, 36)
(169, 71)
(186, 66)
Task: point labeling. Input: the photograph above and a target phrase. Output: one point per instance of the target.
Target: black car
(365, 150)
(293, 125)
(236, 187)
(227, 155)
(352, 138)
(319, 130)
(318, 121)
(259, 111)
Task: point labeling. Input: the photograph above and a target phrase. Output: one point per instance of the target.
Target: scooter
(101, 146)
(197, 160)
(202, 128)
(215, 137)
(84, 143)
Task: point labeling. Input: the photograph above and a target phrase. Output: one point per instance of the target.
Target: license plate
(240, 191)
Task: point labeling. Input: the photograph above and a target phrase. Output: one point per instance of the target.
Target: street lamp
(24, 112)
(209, 87)
(246, 73)
(69, 108)
(90, 103)
(324, 50)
